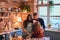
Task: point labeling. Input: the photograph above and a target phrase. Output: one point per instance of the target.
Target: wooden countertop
(53, 30)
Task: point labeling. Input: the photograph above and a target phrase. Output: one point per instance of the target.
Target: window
(55, 11)
(44, 1)
(56, 1)
(39, 1)
(43, 13)
(55, 22)
(53, 16)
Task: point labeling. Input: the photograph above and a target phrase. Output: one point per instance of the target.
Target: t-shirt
(37, 34)
(27, 27)
(41, 22)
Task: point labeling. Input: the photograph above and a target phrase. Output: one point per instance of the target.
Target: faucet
(58, 25)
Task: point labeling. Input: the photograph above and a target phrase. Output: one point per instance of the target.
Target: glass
(55, 17)
(42, 11)
(39, 2)
(56, 1)
(55, 22)
(45, 20)
(55, 11)
(44, 2)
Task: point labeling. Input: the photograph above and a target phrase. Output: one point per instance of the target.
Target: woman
(38, 31)
(27, 29)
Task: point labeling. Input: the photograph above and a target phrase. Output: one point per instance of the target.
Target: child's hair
(38, 31)
(37, 25)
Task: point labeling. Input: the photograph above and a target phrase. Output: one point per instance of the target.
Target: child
(38, 31)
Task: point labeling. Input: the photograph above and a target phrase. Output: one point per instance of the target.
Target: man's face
(36, 17)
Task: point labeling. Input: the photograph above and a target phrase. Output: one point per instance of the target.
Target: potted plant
(51, 5)
(24, 6)
(49, 26)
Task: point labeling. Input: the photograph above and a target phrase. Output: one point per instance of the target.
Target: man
(35, 16)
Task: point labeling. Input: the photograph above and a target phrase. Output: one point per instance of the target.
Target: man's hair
(34, 14)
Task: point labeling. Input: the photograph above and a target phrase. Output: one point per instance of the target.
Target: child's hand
(42, 31)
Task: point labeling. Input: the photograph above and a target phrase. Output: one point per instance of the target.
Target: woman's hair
(27, 20)
(29, 15)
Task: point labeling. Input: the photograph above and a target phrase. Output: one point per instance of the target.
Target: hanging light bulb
(19, 19)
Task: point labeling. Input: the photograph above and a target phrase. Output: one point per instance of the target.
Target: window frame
(48, 13)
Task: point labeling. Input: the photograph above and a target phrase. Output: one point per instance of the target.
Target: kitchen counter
(53, 30)
(54, 34)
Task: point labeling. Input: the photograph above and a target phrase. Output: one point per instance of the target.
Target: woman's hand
(29, 35)
(24, 30)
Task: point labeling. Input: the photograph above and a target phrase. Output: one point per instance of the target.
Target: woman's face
(29, 18)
